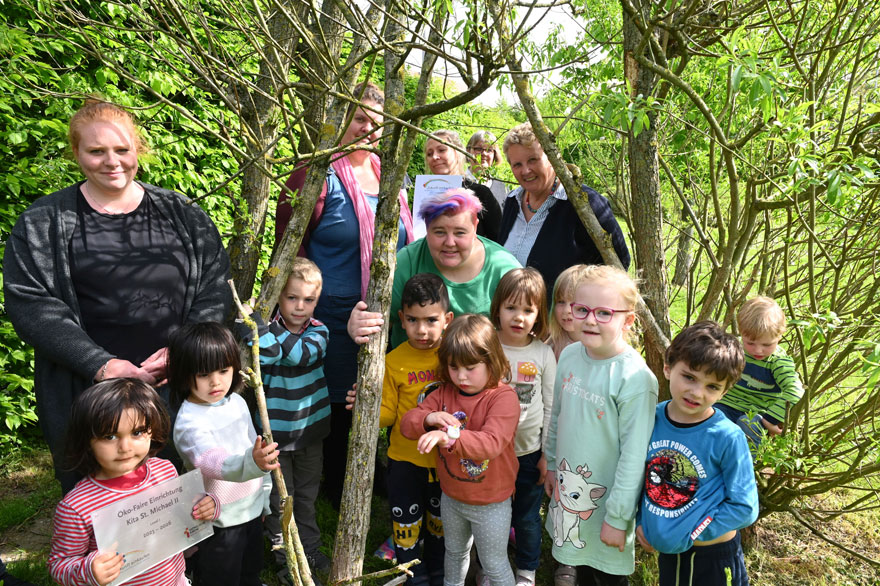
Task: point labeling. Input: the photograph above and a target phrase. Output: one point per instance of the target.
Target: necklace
(552, 190)
(531, 209)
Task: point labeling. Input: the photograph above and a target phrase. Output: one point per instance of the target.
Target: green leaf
(736, 77)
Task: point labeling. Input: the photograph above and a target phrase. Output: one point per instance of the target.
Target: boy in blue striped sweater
(292, 349)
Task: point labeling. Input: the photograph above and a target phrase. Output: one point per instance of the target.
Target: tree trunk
(260, 115)
(647, 210)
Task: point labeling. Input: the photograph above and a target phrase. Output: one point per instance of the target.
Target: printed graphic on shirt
(756, 384)
(472, 470)
(575, 386)
(574, 500)
(524, 384)
(427, 390)
(672, 477)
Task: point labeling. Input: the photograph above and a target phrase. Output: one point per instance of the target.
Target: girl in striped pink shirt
(116, 426)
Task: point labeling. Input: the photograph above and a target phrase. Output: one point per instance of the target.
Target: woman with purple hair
(469, 265)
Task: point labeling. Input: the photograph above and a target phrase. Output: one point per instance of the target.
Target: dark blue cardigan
(563, 241)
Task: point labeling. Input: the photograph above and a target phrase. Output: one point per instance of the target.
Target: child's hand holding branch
(265, 455)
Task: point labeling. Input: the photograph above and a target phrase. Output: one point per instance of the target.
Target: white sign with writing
(152, 525)
(427, 186)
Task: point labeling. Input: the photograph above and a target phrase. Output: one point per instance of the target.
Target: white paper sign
(153, 525)
(427, 186)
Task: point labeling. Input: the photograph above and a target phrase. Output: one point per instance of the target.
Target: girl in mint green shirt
(603, 414)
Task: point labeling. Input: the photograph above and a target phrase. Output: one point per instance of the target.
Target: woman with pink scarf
(339, 240)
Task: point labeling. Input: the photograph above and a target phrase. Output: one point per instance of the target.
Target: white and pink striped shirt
(73, 538)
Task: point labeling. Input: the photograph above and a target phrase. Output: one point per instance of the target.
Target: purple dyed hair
(450, 203)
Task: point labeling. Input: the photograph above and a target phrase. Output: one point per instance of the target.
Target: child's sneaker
(565, 576)
(318, 561)
(386, 551)
(525, 578)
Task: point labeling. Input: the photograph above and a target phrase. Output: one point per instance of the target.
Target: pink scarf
(366, 218)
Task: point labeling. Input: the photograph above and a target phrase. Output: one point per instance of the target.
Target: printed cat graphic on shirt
(574, 500)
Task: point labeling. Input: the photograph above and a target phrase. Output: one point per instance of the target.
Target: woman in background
(441, 159)
(339, 239)
(483, 148)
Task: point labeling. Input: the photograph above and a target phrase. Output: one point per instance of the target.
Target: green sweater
(766, 386)
(475, 296)
(600, 425)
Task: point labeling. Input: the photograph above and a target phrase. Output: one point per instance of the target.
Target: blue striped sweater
(292, 366)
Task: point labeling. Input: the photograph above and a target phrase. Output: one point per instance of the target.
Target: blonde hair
(563, 289)
(519, 284)
(626, 287)
(450, 137)
(471, 339)
(761, 316)
(307, 272)
(520, 134)
(95, 110)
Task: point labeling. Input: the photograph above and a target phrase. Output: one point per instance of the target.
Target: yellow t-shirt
(410, 375)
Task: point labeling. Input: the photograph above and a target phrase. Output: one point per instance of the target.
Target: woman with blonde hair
(98, 274)
(540, 226)
(442, 159)
(339, 239)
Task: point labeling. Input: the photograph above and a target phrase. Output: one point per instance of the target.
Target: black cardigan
(563, 240)
(490, 217)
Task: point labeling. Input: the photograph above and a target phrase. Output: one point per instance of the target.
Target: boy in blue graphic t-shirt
(699, 482)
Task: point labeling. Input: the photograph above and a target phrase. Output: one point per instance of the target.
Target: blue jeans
(526, 516)
(752, 427)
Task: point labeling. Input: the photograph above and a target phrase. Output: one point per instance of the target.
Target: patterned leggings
(489, 526)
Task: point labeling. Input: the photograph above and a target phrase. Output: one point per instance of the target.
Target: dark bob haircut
(96, 413)
(199, 349)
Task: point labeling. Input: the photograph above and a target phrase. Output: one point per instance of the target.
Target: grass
(785, 552)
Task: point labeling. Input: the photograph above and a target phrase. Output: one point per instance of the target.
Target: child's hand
(549, 479)
(265, 455)
(542, 469)
(612, 537)
(428, 440)
(771, 428)
(640, 535)
(204, 509)
(248, 307)
(350, 397)
(441, 419)
(106, 566)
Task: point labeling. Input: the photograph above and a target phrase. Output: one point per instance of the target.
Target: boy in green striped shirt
(769, 383)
